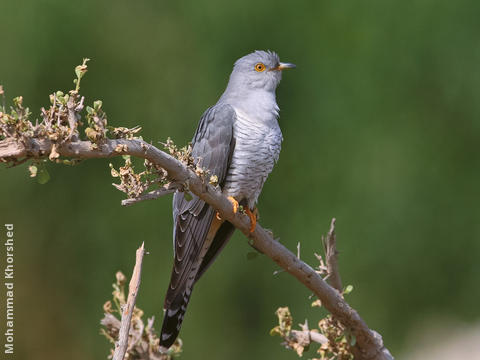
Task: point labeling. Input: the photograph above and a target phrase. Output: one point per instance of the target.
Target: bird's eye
(259, 67)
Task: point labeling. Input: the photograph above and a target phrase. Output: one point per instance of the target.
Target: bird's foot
(234, 205)
(253, 218)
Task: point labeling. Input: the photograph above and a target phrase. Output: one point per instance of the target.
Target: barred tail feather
(173, 318)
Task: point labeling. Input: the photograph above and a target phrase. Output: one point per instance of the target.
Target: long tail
(173, 317)
(175, 308)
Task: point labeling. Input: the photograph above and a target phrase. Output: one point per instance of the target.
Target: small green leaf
(80, 70)
(97, 104)
(275, 331)
(42, 174)
(68, 162)
(353, 340)
(348, 290)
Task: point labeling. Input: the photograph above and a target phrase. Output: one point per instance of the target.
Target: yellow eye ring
(259, 67)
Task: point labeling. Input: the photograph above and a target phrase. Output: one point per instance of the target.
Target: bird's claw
(234, 205)
(253, 218)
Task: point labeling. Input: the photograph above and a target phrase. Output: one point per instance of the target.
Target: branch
(152, 195)
(121, 345)
(368, 343)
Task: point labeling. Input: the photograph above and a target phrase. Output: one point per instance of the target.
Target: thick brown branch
(368, 343)
(121, 345)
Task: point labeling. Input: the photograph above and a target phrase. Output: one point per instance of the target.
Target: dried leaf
(54, 153)
(33, 170)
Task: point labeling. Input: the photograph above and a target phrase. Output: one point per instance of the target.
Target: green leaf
(353, 340)
(97, 104)
(348, 290)
(42, 174)
(78, 72)
(275, 331)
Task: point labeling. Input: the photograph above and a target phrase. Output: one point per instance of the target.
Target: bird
(238, 140)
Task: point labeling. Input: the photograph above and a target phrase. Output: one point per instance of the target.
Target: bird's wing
(213, 145)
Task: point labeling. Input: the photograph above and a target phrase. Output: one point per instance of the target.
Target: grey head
(259, 70)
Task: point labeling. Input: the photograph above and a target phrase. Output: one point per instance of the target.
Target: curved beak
(284, 66)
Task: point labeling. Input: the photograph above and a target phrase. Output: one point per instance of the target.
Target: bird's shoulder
(213, 145)
(218, 117)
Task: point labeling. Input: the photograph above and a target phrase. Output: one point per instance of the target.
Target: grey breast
(257, 147)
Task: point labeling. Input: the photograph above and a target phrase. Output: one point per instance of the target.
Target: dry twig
(144, 343)
(152, 195)
(122, 343)
(331, 256)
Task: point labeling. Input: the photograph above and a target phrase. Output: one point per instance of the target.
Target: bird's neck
(259, 105)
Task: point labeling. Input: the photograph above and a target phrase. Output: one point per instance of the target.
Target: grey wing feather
(213, 145)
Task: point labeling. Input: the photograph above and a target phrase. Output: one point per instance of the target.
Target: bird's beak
(284, 66)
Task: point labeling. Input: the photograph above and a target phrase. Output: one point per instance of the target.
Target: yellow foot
(253, 218)
(234, 205)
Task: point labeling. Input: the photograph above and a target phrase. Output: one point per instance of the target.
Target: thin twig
(122, 343)
(307, 336)
(331, 258)
(72, 118)
(152, 195)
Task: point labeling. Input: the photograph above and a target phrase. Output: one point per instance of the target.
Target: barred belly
(257, 147)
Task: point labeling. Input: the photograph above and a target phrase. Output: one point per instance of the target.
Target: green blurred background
(380, 121)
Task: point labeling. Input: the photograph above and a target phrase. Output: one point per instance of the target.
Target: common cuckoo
(238, 140)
